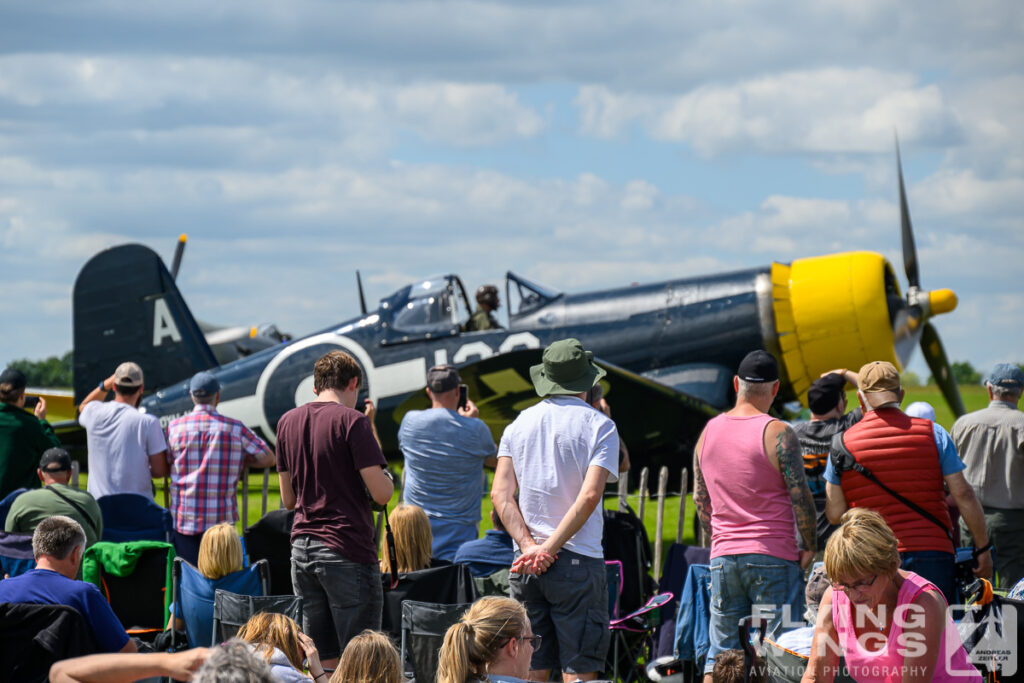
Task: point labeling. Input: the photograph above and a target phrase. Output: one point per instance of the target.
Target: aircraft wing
(659, 424)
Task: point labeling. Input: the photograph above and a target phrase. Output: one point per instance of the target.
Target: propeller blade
(362, 299)
(935, 355)
(178, 251)
(907, 230)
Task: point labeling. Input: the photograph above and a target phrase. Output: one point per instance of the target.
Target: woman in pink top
(890, 625)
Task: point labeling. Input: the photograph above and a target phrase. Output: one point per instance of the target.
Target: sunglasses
(534, 641)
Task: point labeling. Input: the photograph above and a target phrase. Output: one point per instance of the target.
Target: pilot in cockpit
(483, 318)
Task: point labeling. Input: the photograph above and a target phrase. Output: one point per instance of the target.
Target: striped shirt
(207, 452)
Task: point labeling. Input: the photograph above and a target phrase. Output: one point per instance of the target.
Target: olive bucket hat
(567, 369)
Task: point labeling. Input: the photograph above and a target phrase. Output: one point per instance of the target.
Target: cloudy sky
(582, 144)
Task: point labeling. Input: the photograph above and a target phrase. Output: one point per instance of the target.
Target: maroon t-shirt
(323, 445)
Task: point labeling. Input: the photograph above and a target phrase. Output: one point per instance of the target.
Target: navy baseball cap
(1007, 376)
(204, 384)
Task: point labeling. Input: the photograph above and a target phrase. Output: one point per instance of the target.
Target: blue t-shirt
(444, 458)
(949, 461)
(46, 587)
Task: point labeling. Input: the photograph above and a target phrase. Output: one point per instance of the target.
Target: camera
(965, 562)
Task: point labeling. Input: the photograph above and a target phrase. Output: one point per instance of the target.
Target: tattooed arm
(701, 499)
(783, 449)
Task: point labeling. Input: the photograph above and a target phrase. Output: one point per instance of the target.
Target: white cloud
(831, 110)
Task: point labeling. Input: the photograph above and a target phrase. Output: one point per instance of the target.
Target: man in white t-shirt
(126, 447)
(560, 454)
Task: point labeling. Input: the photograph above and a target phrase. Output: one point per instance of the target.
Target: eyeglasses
(860, 586)
(534, 641)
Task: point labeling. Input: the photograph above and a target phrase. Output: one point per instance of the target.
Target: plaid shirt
(207, 452)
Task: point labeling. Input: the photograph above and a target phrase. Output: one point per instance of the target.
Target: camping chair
(7, 502)
(673, 578)
(231, 610)
(270, 539)
(194, 594)
(136, 579)
(448, 585)
(496, 583)
(632, 634)
(992, 625)
(134, 517)
(424, 625)
(34, 637)
(16, 555)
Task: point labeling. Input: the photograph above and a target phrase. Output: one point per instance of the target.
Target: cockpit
(440, 307)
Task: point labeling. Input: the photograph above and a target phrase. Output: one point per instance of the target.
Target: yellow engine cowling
(831, 312)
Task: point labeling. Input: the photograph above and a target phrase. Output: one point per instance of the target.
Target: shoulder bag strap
(843, 460)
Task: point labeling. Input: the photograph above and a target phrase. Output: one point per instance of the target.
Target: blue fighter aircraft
(671, 348)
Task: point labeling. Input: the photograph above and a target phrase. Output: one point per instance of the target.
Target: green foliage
(964, 373)
(52, 373)
(910, 378)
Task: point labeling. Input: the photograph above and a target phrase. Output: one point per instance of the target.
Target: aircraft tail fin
(127, 308)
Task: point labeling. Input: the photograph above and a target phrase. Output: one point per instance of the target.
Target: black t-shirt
(815, 441)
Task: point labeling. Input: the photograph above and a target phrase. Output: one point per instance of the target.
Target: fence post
(401, 488)
(642, 493)
(266, 488)
(245, 498)
(167, 493)
(623, 491)
(660, 524)
(682, 507)
(75, 470)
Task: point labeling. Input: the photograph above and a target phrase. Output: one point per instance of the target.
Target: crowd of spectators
(864, 489)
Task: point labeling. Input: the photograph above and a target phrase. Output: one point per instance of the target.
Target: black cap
(16, 378)
(55, 460)
(441, 378)
(824, 394)
(758, 366)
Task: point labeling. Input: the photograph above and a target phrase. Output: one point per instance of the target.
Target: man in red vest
(912, 457)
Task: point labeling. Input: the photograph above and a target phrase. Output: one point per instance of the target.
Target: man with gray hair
(750, 492)
(991, 443)
(58, 544)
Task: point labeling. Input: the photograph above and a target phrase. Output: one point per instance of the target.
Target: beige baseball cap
(128, 375)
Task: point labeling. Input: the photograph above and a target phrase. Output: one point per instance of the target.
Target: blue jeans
(936, 566)
(339, 598)
(741, 582)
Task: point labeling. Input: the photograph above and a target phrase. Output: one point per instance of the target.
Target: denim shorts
(339, 598)
(568, 609)
(738, 583)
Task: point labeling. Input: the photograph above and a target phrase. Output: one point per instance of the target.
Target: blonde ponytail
(473, 642)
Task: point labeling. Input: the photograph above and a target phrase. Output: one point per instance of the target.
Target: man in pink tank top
(752, 496)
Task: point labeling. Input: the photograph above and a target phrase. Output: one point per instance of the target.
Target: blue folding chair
(5, 504)
(134, 517)
(193, 596)
(16, 555)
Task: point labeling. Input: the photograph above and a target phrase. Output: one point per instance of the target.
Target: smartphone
(31, 402)
(463, 395)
